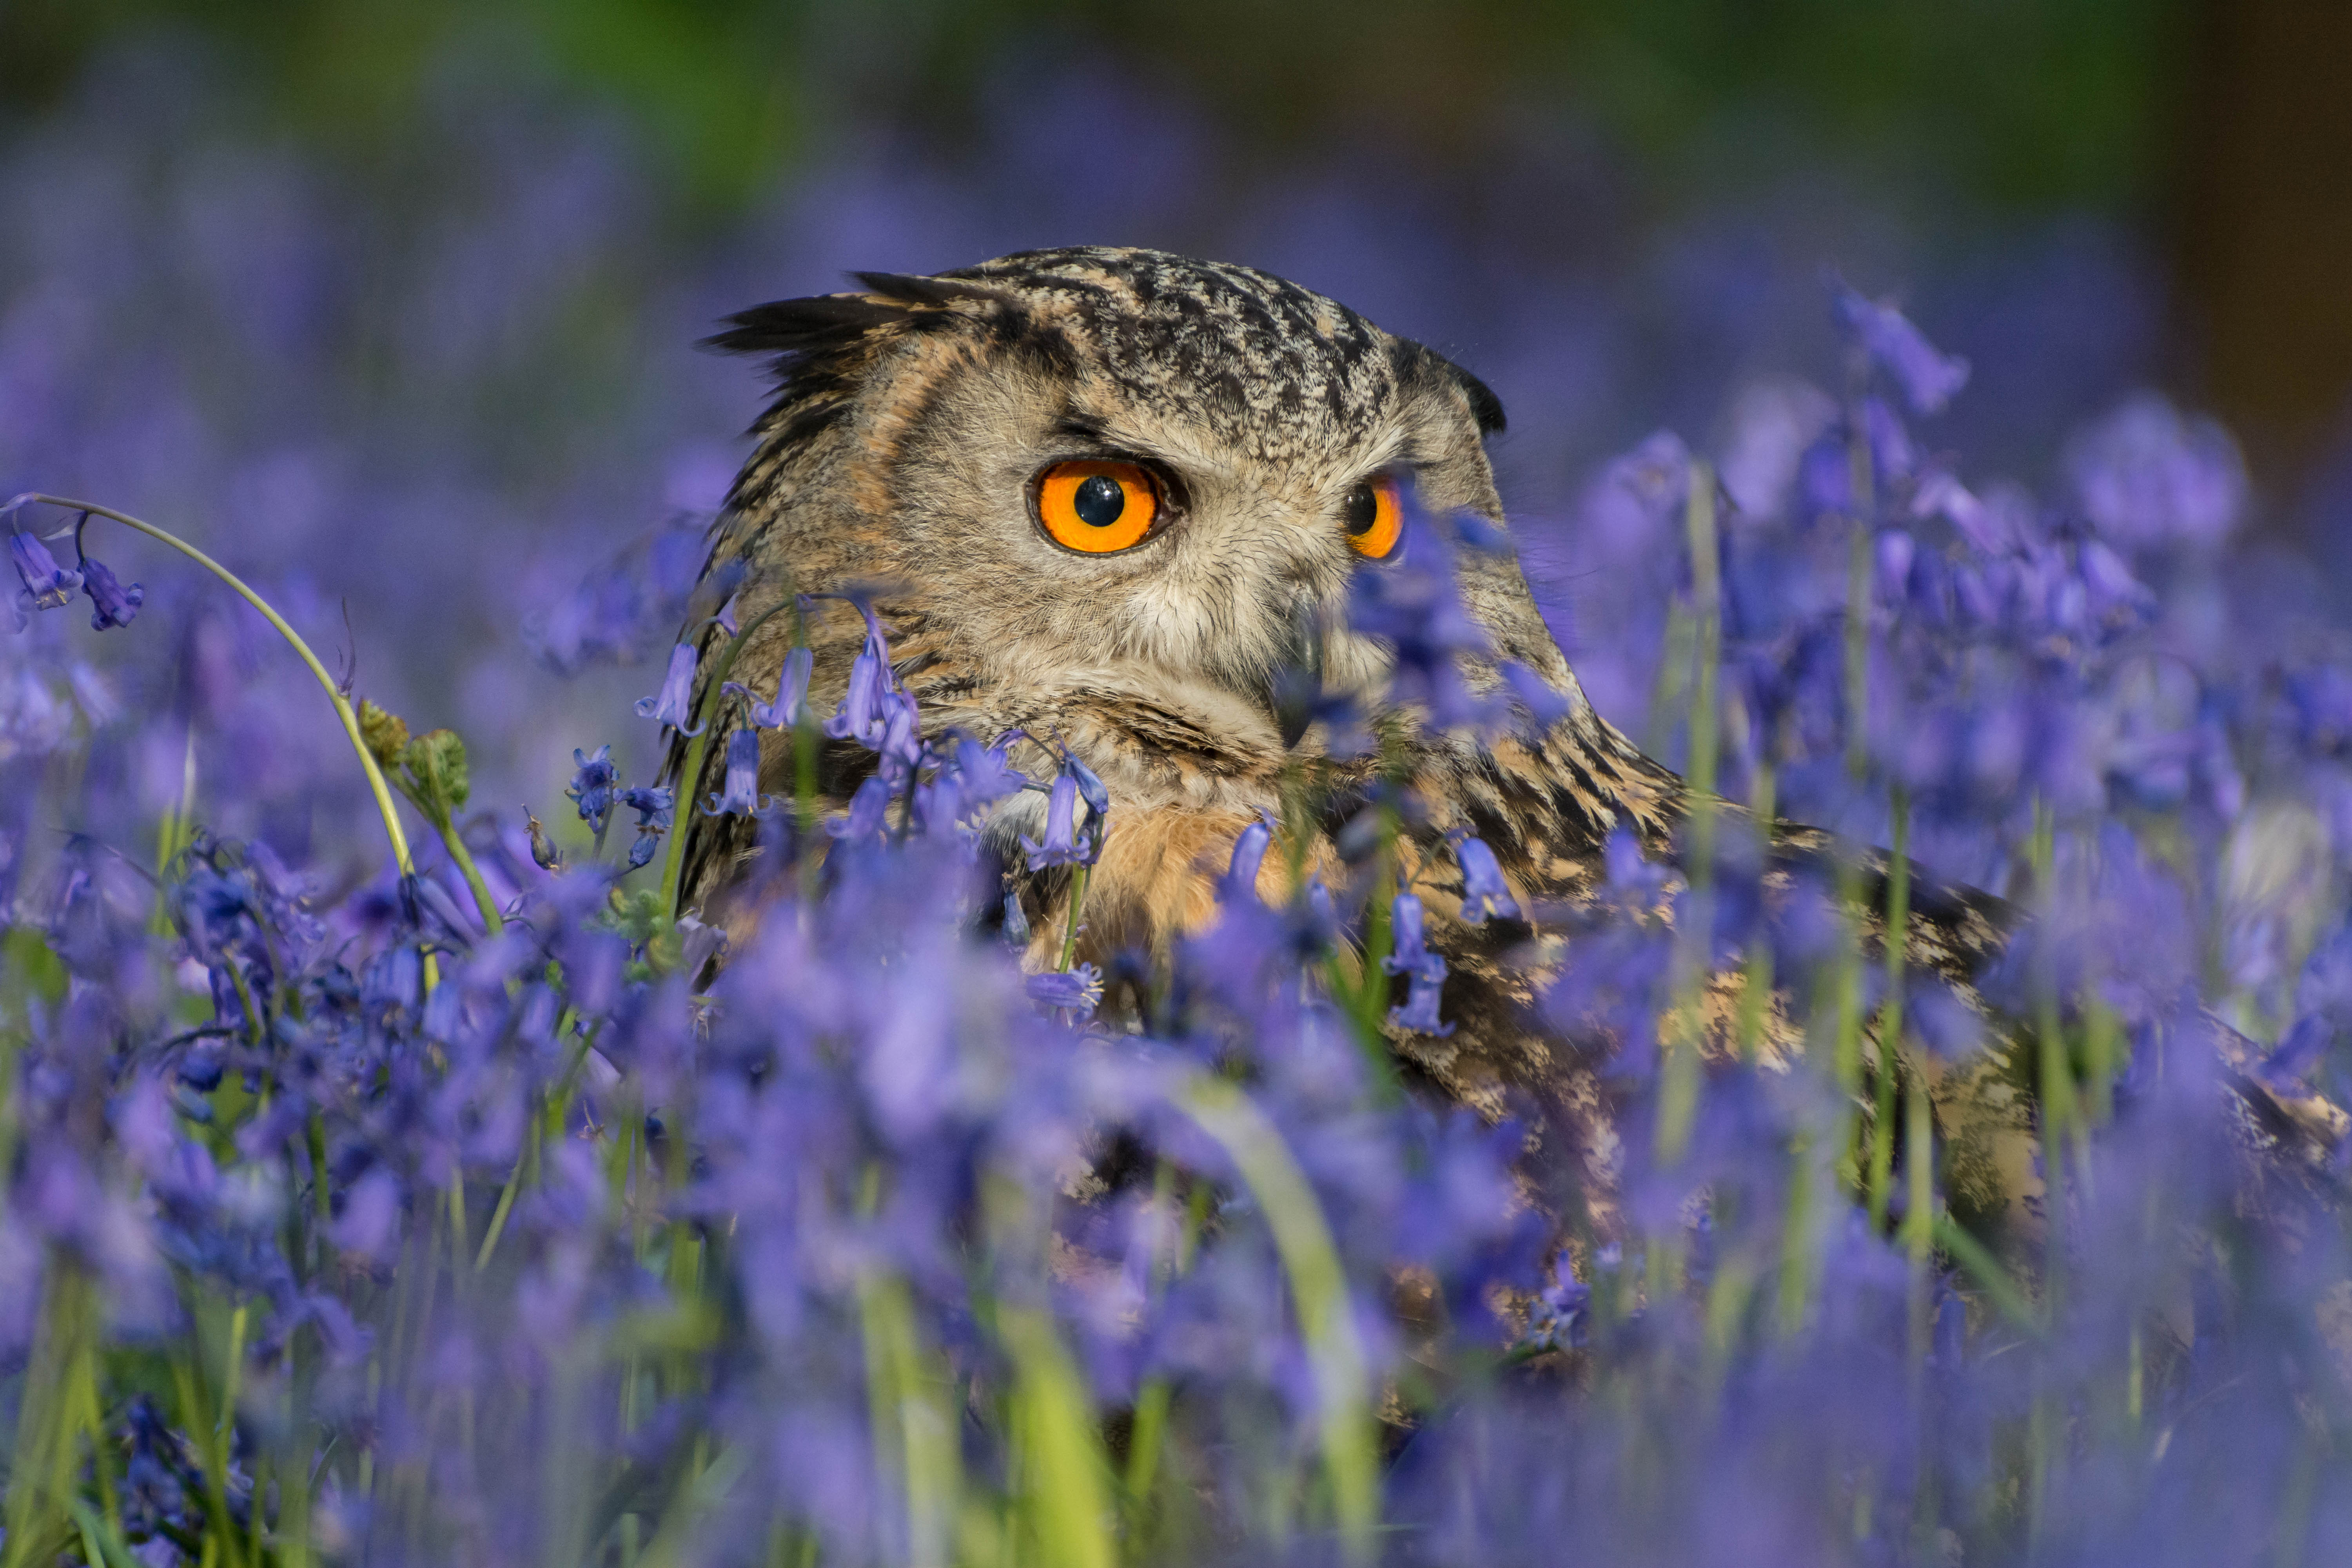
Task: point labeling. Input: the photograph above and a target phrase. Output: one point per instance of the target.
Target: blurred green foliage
(2013, 102)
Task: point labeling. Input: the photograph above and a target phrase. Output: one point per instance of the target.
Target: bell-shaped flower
(657, 810)
(592, 785)
(1240, 883)
(113, 604)
(1927, 376)
(48, 584)
(1418, 1012)
(739, 794)
(985, 773)
(901, 745)
(792, 693)
(1063, 845)
(1079, 989)
(1090, 788)
(869, 808)
(1484, 892)
(864, 715)
(674, 704)
(1408, 949)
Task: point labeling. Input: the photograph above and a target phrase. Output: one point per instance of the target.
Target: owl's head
(1094, 476)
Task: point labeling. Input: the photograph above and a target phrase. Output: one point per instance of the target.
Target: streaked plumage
(911, 417)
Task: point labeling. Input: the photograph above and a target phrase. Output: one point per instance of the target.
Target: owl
(1116, 498)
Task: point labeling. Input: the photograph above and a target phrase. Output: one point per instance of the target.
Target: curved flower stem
(376, 784)
(689, 776)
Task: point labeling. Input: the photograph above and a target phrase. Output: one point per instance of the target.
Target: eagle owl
(1110, 492)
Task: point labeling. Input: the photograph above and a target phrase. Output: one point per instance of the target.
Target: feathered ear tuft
(1419, 363)
(824, 323)
(1485, 406)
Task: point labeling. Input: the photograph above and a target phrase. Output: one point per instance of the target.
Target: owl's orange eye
(1373, 518)
(1096, 508)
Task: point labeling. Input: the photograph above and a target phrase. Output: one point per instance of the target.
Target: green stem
(1078, 896)
(1890, 1016)
(1682, 1072)
(498, 1215)
(343, 711)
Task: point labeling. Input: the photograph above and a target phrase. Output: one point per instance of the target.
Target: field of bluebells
(392, 1176)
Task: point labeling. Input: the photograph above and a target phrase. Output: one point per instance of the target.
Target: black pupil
(1099, 501)
(1363, 510)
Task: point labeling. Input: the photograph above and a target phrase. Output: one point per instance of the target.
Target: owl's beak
(1294, 688)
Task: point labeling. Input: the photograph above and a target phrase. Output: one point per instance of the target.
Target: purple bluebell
(2146, 475)
(1079, 989)
(901, 746)
(1419, 1011)
(869, 808)
(1063, 845)
(941, 804)
(1413, 604)
(1409, 955)
(656, 809)
(1483, 891)
(112, 604)
(593, 783)
(1239, 884)
(655, 804)
(739, 795)
(673, 705)
(1929, 378)
(1090, 788)
(47, 585)
(792, 693)
(986, 773)
(863, 714)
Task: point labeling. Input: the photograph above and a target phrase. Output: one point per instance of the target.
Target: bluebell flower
(1411, 603)
(1090, 788)
(673, 705)
(1484, 892)
(869, 806)
(739, 796)
(1407, 948)
(1240, 882)
(901, 747)
(1062, 845)
(593, 781)
(112, 604)
(655, 804)
(47, 585)
(656, 809)
(1409, 955)
(864, 715)
(1929, 378)
(1079, 989)
(986, 773)
(2146, 475)
(1418, 1012)
(792, 693)
(939, 805)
